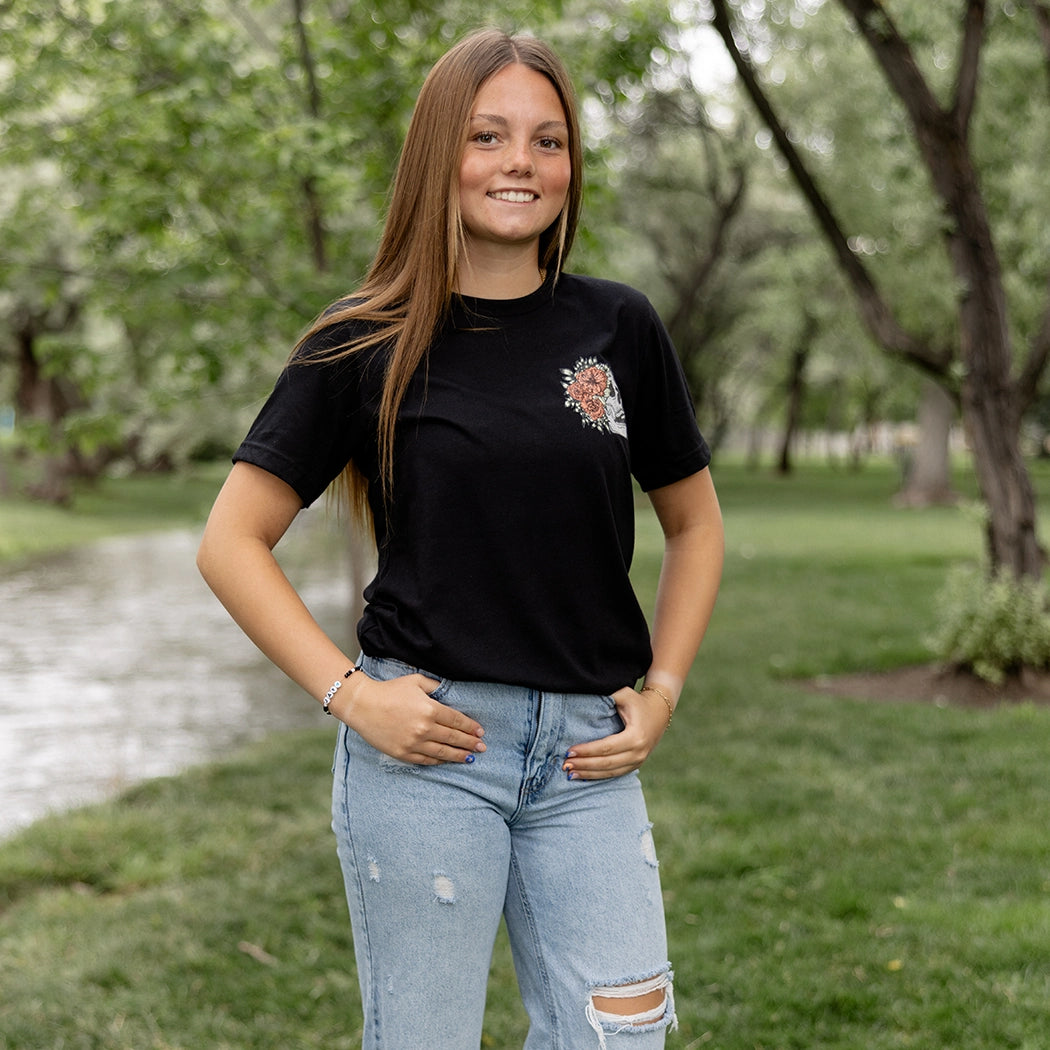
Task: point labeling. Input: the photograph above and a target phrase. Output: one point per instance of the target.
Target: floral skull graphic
(591, 390)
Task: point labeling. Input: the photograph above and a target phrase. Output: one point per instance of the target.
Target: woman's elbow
(207, 557)
(217, 551)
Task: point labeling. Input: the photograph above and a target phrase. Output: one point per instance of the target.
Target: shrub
(993, 625)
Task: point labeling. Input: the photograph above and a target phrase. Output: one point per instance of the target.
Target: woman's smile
(515, 170)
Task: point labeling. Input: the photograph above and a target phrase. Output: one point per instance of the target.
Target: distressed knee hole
(632, 1004)
(649, 847)
(444, 888)
(639, 1008)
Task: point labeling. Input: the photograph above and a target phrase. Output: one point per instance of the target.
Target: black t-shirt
(506, 551)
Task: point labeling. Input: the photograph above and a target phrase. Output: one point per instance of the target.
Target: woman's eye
(486, 138)
(550, 144)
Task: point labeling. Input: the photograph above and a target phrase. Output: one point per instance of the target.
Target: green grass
(839, 875)
(108, 507)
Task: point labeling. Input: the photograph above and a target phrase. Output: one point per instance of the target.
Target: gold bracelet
(663, 696)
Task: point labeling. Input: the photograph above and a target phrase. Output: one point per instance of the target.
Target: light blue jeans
(432, 856)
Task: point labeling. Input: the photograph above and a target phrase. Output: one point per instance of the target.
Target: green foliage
(162, 160)
(994, 625)
(185, 185)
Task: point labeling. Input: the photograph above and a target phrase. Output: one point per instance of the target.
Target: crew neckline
(468, 308)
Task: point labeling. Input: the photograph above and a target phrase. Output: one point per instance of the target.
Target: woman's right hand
(401, 719)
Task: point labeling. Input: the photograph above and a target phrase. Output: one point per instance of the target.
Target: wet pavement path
(117, 664)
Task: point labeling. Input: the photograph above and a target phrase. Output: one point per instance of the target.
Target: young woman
(489, 414)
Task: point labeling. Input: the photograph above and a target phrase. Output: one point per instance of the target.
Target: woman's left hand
(645, 717)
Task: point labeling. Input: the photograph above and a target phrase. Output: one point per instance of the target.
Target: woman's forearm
(689, 578)
(236, 559)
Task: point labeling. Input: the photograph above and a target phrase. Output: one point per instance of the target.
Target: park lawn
(107, 507)
(839, 874)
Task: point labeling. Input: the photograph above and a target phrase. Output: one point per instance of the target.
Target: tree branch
(315, 222)
(950, 164)
(969, 65)
(894, 56)
(306, 57)
(875, 312)
(727, 206)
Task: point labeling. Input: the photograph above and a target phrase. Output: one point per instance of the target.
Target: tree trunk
(992, 402)
(46, 400)
(796, 389)
(927, 478)
(993, 428)
(38, 396)
(991, 412)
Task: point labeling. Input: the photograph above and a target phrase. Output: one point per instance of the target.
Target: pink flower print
(594, 379)
(587, 399)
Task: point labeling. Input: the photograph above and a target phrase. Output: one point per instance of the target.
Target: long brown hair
(406, 294)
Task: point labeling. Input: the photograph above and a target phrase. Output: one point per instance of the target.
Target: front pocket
(444, 688)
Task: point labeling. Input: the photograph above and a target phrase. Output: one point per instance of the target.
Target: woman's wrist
(341, 693)
(664, 696)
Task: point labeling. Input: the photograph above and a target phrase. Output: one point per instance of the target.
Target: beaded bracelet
(663, 696)
(336, 686)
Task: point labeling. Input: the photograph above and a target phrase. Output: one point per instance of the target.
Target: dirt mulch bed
(934, 684)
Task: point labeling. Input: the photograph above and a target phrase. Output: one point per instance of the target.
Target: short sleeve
(666, 442)
(313, 423)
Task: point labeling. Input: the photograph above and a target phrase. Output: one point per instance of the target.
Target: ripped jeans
(432, 856)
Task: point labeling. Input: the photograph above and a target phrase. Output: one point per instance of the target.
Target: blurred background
(185, 185)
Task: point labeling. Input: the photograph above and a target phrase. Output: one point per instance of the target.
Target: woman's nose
(518, 159)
